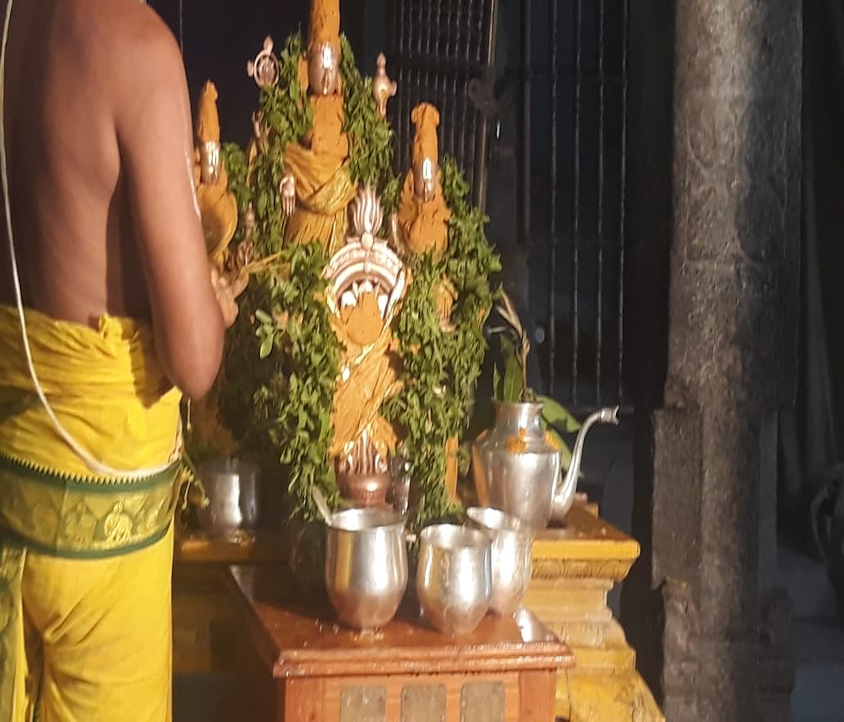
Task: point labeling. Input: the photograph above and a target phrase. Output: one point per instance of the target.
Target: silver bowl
(365, 566)
(231, 486)
(454, 577)
(512, 540)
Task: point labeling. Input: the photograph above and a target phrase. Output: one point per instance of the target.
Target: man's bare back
(99, 142)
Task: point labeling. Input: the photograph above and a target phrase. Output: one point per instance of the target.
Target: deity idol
(423, 214)
(218, 211)
(316, 167)
(423, 227)
(218, 207)
(367, 282)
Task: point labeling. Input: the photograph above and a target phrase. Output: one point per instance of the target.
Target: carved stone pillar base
(573, 571)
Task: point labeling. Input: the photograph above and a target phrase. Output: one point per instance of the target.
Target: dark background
(220, 36)
(812, 454)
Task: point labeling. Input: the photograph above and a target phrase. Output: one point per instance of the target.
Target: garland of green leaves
(283, 357)
(440, 369)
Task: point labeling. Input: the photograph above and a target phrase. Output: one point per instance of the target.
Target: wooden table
(574, 568)
(303, 666)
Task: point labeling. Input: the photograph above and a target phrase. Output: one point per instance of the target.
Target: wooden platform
(574, 568)
(304, 666)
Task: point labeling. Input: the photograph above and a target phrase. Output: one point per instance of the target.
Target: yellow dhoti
(85, 561)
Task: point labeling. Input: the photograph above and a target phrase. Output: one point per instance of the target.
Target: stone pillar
(694, 608)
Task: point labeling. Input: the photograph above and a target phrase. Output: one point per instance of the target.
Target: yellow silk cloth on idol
(372, 378)
(425, 223)
(58, 523)
(218, 210)
(324, 191)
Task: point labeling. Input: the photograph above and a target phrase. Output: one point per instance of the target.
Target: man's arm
(153, 122)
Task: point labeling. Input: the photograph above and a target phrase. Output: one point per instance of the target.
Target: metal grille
(441, 51)
(571, 76)
(573, 88)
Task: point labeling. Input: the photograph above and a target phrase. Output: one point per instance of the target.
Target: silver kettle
(517, 469)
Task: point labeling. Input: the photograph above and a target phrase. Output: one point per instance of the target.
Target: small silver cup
(512, 541)
(454, 577)
(232, 487)
(366, 566)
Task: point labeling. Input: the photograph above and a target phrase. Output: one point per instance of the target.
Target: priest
(109, 313)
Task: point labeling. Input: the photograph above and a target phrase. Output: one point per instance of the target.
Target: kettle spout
(565, 489)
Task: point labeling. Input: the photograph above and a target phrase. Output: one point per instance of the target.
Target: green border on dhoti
(74, 517)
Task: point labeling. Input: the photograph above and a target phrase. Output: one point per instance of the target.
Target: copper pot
(364, 490)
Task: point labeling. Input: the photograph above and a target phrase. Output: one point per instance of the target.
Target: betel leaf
(511, 388)
(557, 416)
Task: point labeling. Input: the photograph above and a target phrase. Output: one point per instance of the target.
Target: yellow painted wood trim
(587, 549)
(585, 536)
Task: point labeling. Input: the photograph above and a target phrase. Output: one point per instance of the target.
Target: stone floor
(608, 479)
(818, 630)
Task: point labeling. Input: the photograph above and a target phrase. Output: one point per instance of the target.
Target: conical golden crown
(325, 22)
(426, 118)
(207, 118)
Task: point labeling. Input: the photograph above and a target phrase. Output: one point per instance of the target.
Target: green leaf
(266, 347)
(511, 389)
(263, 316)
(497, 389)
(557, 416)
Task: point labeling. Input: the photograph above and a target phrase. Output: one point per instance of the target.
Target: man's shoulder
(130, 39)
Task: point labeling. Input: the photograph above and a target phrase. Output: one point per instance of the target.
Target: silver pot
(365, 566)
(512, 541)
(517, 469)
(454, 577)
(232, 488)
